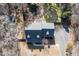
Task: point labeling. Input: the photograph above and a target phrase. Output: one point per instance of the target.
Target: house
(38, 31)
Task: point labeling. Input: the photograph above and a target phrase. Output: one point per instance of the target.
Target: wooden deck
(25, 51)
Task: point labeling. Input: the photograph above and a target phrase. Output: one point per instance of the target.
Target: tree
(50, 12)
(66, 12)
(54, 12)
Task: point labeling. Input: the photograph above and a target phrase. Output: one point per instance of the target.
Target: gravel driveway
(61, 38)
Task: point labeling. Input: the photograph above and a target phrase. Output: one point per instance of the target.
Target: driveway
(61, 38)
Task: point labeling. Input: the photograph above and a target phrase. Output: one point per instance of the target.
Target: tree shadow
(66, 28)
(66, 24)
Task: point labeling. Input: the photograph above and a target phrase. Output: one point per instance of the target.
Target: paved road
(61, 38)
